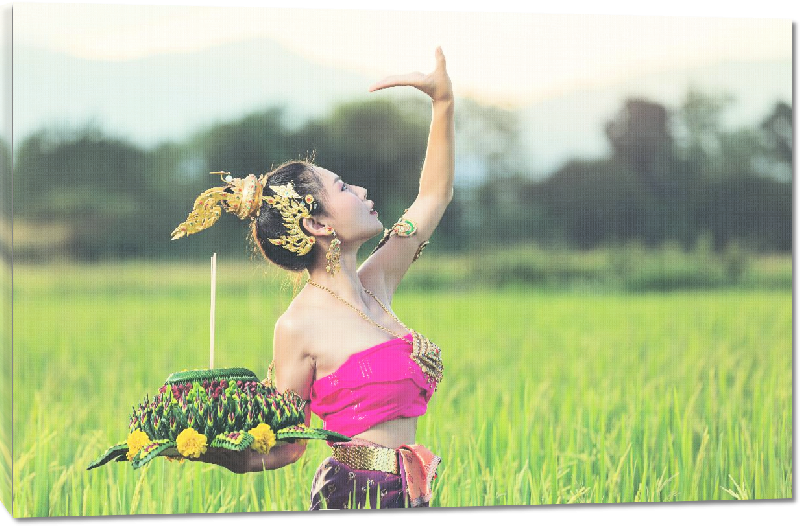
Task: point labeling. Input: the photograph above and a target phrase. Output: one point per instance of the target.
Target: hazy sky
(498, 57)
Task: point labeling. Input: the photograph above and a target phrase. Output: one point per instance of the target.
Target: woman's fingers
(440, 60)
(409, 79)
(437, 84)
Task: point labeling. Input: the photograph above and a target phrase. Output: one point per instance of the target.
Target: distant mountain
(167, 96)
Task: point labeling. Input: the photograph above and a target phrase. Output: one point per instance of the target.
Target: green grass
(625, 268)
(548, 396)
(5, 382)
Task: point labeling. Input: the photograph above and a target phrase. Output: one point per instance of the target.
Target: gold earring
(333, 254)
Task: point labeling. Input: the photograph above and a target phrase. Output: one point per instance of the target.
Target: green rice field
(549, 396)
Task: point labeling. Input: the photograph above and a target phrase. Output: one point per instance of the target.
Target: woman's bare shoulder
(293, 363)
(296, 324)
(301, 311)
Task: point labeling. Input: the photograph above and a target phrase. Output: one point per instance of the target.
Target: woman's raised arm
(389, 264)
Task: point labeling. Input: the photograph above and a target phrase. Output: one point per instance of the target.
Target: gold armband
(404, 228)
(269, 381)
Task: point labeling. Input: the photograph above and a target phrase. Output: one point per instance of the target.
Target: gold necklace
(359, 310)
(425, 353)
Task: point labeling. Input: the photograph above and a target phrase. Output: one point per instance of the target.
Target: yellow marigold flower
(264, 438)
(191, 443)
(136, 441)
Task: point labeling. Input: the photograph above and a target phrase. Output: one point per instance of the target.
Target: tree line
(675, 174)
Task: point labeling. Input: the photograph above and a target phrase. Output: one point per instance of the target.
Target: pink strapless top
(371, 387)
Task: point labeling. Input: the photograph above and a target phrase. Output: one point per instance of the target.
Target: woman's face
(347, 208)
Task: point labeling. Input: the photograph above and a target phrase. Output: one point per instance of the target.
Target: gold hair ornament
(243, 197)
(290, 205)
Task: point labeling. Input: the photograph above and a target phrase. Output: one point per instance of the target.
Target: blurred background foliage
(675, 179)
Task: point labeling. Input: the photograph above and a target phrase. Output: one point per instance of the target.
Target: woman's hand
(248, 460)
(436, 85)
(235, 461)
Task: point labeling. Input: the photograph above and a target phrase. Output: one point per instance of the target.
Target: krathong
(213, 408)
(217, 408)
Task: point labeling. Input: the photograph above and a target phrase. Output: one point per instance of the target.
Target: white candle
(213, 303)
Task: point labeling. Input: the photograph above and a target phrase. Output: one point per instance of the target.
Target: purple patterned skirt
(337, 486)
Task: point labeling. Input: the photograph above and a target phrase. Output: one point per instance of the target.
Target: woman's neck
(345, 282)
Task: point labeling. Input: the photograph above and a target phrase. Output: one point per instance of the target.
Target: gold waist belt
(370, 458)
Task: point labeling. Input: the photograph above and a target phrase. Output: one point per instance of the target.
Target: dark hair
(269, 223)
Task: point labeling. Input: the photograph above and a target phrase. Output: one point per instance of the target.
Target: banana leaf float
(218, 408)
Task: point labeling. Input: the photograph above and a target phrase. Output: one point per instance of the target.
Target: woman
(332, 346)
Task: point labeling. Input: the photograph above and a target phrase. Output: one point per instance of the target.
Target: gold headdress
(243, 197)
(290, 205)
